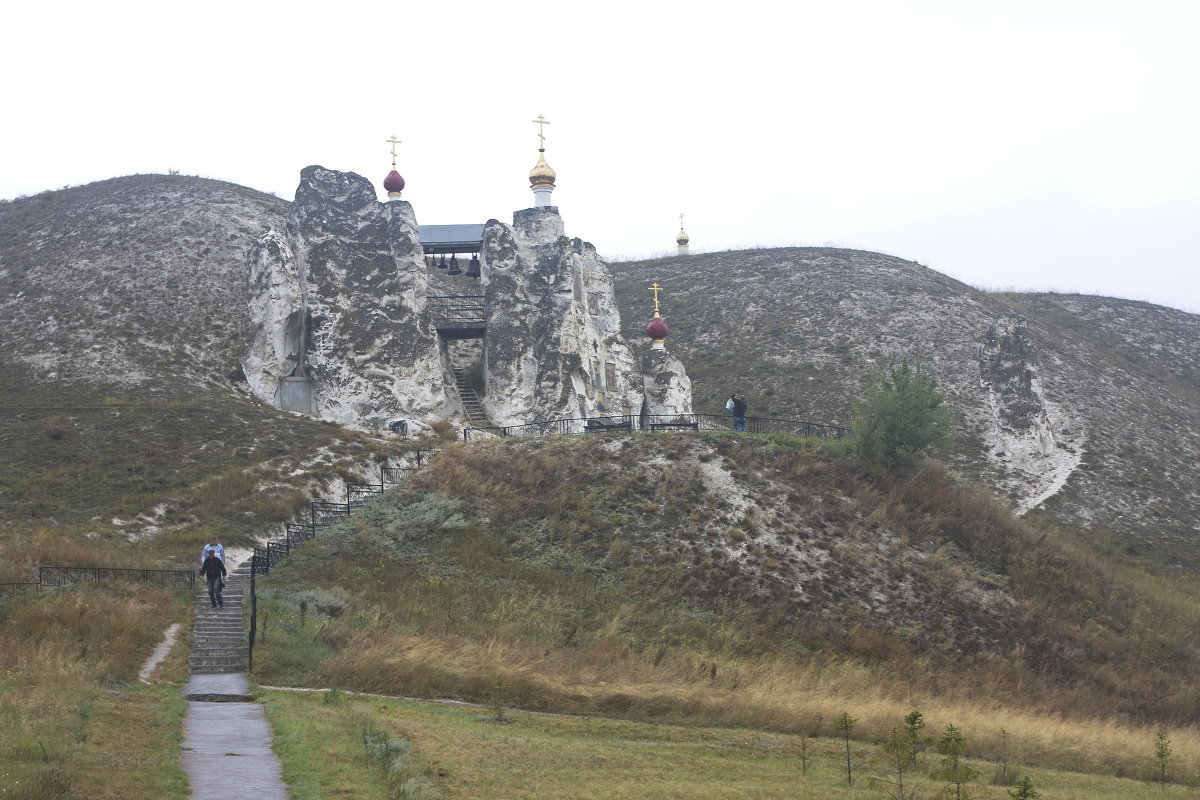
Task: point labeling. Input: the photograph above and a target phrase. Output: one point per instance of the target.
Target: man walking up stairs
(219, 635)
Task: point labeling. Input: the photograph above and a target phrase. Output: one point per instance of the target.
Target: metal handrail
(66, 576)
(457, 308)
(19, 586)
(659, 422)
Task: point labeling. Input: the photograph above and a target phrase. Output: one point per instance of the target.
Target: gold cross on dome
(681, 220)
(393, 142)
(654, 287)
(540, 122)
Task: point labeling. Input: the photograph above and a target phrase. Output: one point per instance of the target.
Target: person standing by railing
(214, 569)
(739, 412)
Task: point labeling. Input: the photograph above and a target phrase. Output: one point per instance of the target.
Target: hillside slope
(1082, 407)
(138, 281)
(574, 568)
(123, 415)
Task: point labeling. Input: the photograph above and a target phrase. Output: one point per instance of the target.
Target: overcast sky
(1024, 145)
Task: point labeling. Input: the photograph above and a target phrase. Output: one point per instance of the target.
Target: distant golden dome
(541, 175)
(682, 238)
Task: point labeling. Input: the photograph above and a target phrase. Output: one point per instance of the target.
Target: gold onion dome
(541, 174)
(682, 238)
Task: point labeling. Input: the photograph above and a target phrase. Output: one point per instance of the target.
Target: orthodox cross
(393, 142)
(540, 122)
(654, 287)
(681, 220)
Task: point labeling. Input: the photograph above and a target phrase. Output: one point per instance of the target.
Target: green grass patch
(466, 753)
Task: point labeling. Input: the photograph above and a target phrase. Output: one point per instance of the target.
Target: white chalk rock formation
(553, 348)
(1023, 418)
(275, 341)
(346, 288)
(668, 390)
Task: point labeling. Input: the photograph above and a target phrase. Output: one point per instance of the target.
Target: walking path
(226, 741)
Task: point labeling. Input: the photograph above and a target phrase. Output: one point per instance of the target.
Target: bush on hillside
(900, 418)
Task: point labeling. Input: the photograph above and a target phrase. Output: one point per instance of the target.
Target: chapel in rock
(361, 316)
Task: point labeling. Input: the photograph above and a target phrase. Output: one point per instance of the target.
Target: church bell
(454, 268)
(442, 264)
(473, 267)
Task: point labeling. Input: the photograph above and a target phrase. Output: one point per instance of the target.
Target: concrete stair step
(223, 636)
(220, 648)
(215, 661)
(207, 669)
(232, 658)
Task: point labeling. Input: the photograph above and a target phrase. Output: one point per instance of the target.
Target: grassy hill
(1082, 408)
(757, 582)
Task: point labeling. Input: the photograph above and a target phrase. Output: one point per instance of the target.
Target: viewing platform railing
(658, 423)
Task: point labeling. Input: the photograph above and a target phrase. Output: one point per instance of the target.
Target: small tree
(1024, 790)
(913, 723)
(898, 749)
(953, 770)
(1003, 776)
(1162, 754)
(844, 725)
(805, 752)
(900, 417)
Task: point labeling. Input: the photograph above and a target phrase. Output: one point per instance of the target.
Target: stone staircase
(470, 400)
(219, 637)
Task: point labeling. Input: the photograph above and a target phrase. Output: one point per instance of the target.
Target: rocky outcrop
(668, 390)
(276, 341)
(553, 348)
(1023, 435)
(341, 300)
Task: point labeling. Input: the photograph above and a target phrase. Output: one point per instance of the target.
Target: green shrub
(901, 417)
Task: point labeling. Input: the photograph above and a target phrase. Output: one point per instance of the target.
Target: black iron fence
(322, 514)
(394, 474)
(17, 588)
(658, 423)
(457, 308)
(69, 576)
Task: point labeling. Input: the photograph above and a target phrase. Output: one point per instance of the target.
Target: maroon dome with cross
(657, 329)
(393, 183)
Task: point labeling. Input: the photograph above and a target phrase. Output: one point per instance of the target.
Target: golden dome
(541, 175)
(682, 238)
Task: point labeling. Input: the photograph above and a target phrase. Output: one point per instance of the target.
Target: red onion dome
(393, 183)
(657, 329)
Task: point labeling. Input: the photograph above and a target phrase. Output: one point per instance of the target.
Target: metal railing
(658, 423)
(394, 474)
(457, 308)
(68, 576)
(20, 586)
(297, 533)
(324, 513)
